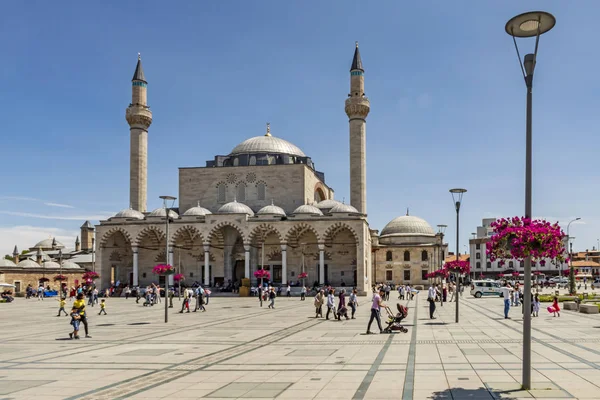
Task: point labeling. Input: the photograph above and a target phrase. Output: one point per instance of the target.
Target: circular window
(251, 177)
(231, 178)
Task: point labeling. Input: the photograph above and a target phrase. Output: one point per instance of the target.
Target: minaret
(77, 244)
(139, 117)
(16, 255)
(357, 108)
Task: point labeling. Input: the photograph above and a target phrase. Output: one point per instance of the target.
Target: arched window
(478, 265)
(407, 255)
(236, 162)
(388, 256)
(261, 190)
(511, 264)
(489, 264)
(424, 255)
(252, 160)
(241, 192)
(522, 264)
(221, 193)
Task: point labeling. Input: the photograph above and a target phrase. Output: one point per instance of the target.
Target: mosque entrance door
(238, 271)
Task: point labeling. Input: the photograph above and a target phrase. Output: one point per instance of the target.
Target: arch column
(206, 264)
(135, 266)
(321, 264)
(284, 264)
(247, 261)
(170, 277)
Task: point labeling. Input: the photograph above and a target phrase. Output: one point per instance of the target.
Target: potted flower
(60, 278)
(43, 279)
(458, 267)
(178, 277)
(163, 269)
(89, 276)
(262, 274)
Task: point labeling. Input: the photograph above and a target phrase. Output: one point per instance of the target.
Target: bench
(570, 305)
(588, 308)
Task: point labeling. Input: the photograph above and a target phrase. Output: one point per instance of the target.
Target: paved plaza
(238, 350)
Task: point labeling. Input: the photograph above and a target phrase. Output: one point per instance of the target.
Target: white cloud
(57, 217)
(58, 205)
(26, 236)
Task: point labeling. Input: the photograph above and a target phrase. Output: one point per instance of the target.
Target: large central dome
(267, 144)
(407, 225)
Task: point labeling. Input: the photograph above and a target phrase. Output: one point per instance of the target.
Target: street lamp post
(457, 195)
(165, 199)
(569, 240)
(530, 24)
(441, 231)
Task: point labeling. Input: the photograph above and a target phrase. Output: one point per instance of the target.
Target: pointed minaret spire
(15, 251)
(138, 75)
(268, 129)
(407, 211)
(356, 62)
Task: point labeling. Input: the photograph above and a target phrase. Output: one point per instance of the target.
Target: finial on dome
(140, 55)
(198, 203)
(272, 202)
(235, 199)
(131, 206)
(406, 211)
(268, 129)
(356, 43)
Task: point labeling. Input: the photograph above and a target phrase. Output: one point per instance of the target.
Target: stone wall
(26, 277)
(285, 186)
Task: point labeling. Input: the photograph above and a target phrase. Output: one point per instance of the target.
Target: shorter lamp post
(60, 290)
(457, 195)
(165, 199)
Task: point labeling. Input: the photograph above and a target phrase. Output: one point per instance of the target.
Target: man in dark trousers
(431, 295)
(259, 291)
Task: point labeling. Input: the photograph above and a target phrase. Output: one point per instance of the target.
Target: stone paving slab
(239, 350)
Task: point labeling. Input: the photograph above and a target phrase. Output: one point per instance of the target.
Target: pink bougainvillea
(302, 275)
(262, 274)
(178, 277)
(458, 266)
(164, 269)
(519, 238)
(90, 276)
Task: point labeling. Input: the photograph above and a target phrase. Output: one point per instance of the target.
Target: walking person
(353, 302)
(102, 307)
(536, 306)
(388, 289)
(79, 305)
(303, 293)
(186, 301)
(288, 291)
(342, 311)
(260, 291)
(40, 293)
(272, 298)
(138, 294)
(375, 311)
(127, 292)
(319, 303)
(555, 309)
(507, 294)
(330, 304)
(401, 292)
(431, 295)
(62, 307)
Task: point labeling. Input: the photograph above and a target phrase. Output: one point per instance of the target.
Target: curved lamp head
(457, 195)
(530, 24)
(442, 228)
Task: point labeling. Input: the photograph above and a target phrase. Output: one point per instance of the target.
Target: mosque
(263, 205)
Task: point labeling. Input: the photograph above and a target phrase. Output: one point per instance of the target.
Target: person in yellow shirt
(62, 302)
(102, 307)
(79, 304)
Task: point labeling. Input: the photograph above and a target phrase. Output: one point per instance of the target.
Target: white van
(485, 288)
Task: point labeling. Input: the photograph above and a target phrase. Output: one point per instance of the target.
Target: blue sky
(447, 104)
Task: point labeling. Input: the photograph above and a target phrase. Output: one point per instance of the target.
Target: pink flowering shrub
(302, 275)
(179, 277)
(519, 238)
(458, 266)
(164, 269)
(90, 276)
(262, 273)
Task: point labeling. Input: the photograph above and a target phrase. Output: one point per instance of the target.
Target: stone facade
(287, 186)
(23, 277)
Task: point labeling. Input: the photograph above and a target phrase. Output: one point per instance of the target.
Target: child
(102, 307)
(62, 307)
(536, 306)
(75, 320)
(555, 309)
(272, 298)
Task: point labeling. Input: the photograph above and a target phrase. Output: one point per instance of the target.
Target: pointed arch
(336, 228)
(263, 230)
(187, 233)
(215, 232)
(155, 234)
(112, 231)
(298, 230)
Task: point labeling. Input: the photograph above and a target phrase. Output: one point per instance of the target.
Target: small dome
(344, 208)
(407, 225)
(307, 209)
(129, 213)
(196, 211)
(46, 244)
(28, 264)
(51, 265)
(160, 212)
(271, 209)
(267, 144)
(70, 265)
(235, 208)
(327, 204)
(4, 263)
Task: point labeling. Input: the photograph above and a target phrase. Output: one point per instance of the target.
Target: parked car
(485, 288)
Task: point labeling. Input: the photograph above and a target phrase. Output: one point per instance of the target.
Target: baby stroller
(393, 322)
